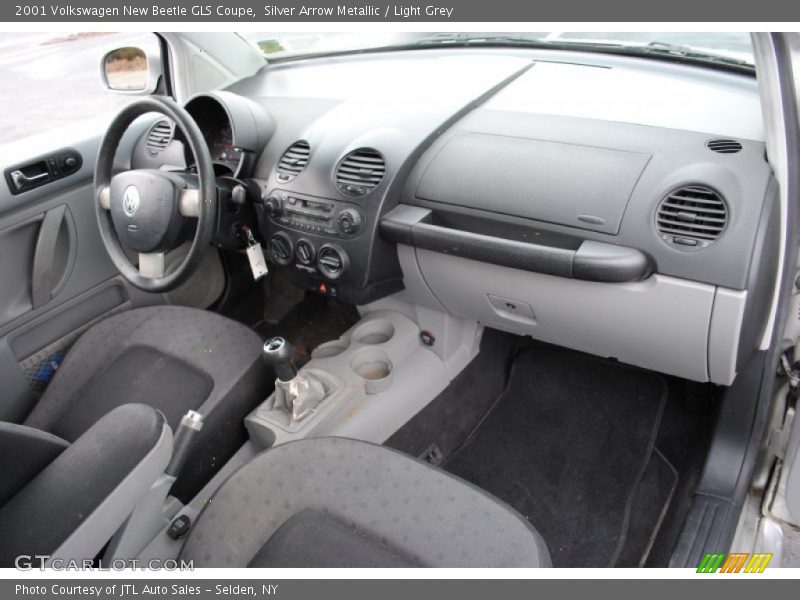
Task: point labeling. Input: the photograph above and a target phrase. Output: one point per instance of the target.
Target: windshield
(731, 47)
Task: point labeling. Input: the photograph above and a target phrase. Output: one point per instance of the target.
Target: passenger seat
(335, 502)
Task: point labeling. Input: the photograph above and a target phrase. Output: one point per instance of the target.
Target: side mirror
(131, 70)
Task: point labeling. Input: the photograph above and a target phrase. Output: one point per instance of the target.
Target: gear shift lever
(297, 395)
(278, 353)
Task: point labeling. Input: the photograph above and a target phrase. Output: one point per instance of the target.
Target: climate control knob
(281, 250)
(332, 261)
(304, 251)
(349, 221)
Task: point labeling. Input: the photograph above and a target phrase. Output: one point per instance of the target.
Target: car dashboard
(614, 205)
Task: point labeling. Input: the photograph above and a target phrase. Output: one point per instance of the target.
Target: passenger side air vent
(293, 160)
(724, 146)
(159, 137)
(360, 172)
(692, 217)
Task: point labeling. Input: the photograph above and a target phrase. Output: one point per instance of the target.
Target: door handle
(22, 181)
(42, 170)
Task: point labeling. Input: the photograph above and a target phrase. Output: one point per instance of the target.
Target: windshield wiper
(442, 40)
(660, 50)
(678, 50)
(655, 48)
(477, 39)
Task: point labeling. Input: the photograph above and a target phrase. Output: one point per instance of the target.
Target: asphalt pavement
(50, 79)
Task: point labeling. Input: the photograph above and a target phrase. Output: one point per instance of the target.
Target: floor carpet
(570, 445)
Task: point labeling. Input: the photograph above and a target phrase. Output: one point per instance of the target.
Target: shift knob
(278, 353)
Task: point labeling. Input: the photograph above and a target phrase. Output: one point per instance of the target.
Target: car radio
(313, 215)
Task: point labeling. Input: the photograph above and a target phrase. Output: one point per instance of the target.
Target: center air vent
(159, 137)
(293, 160)
(360, 172)
(692, 216)
(724, 146)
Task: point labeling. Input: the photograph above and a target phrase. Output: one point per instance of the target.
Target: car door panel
(57, 279)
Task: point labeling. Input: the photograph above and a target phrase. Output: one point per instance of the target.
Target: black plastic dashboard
(321, 216)
(510, 139)
(472, 133)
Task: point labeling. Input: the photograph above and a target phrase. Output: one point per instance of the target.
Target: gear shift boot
(294, 402)
(299, 396)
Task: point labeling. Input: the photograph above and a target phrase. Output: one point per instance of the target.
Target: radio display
(298, 217)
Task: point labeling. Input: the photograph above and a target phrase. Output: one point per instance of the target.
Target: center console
(307, 234)
(324, 244)
(344, 377)
(308, 214)
(365, 384)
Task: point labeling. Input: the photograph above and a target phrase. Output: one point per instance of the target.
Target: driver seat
(173, 359)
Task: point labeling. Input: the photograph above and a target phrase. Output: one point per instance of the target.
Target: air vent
(692, 216)
(724, 146)
(331, 261)
(159, 137)
(360, 172)
(293, 160)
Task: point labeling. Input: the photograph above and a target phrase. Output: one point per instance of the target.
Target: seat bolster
(24, 452)
(73, 507)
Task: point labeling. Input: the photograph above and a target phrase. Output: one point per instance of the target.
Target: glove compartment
(661, 323)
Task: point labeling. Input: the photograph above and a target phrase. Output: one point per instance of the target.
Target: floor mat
(647, 511)
(567, 445)
(447, 421)
(683, 438)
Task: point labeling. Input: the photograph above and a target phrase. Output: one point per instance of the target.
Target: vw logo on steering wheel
(130, 200)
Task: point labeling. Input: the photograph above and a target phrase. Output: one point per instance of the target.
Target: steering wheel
(148, 211)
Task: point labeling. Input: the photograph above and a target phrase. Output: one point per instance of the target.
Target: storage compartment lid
(578, 186)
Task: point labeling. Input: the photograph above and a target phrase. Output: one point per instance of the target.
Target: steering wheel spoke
(151, 264)
(104, 197)
(189, 203)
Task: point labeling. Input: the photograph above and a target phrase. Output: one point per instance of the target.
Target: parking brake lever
(183, 441)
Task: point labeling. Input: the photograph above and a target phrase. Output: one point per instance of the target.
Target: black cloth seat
(334, 502)
(173, 359)
(70, 499)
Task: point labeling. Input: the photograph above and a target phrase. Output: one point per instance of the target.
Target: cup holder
(374, 332)
(331, 349)
(375, 368)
